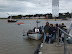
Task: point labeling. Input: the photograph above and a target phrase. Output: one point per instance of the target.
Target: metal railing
(58, 43)
(65, 42)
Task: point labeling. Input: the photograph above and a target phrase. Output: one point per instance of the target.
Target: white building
(26, 17)
(37, 17)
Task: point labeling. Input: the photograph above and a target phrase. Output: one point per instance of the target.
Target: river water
(12, 40)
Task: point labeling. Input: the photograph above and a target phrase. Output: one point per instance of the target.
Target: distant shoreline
(30, 19)
(39, 19)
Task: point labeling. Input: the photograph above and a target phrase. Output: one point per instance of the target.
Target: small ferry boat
(12, 20)
(34, 35)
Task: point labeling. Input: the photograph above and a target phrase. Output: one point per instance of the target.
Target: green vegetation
(3, 18)
(49, 15)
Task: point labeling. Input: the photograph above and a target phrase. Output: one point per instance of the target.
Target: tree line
(49, 15)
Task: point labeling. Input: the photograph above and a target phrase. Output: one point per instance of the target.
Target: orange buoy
(20, 23)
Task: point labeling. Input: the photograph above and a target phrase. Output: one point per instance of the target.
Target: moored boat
(34, 35)
(12, 20)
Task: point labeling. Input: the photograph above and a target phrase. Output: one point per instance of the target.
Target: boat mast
(37, 23)
(11, 17)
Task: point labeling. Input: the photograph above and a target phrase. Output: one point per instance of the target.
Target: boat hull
(35, 36)
(12, 21)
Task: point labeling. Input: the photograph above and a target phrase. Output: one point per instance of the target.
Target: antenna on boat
(10, 16)
(37, 23)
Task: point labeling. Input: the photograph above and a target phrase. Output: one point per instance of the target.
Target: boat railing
(65, 41)
(58, 43)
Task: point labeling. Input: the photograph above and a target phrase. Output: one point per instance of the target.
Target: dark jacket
(47, 38)
(51, 29)
(46, 28)
(64, 28)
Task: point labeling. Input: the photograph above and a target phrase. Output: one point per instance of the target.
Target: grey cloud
(32, 6)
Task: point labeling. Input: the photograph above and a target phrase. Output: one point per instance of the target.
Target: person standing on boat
(52, 32)
(46, 29)
(34, 29)
(41, 29)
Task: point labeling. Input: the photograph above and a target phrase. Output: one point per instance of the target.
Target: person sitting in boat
(52, 32)
(40, 29)
(34, 29)
(46, 29)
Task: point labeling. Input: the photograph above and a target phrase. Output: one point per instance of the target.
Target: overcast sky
(14, 7)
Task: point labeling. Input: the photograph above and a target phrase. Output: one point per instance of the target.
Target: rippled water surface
(12, 40)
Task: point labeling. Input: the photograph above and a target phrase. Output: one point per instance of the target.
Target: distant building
(26, 17)
(33, 17)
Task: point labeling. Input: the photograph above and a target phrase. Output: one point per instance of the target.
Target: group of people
(40, 29)
(61, 34)
(50, 32)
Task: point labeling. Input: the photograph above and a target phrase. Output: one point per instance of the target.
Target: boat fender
(38, 49)
(40, 53)
(24, 35)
